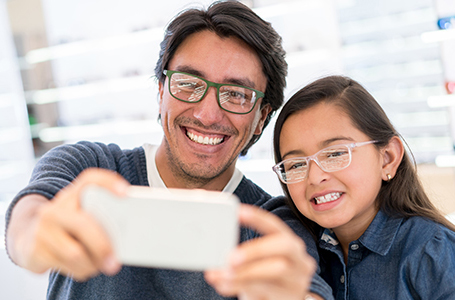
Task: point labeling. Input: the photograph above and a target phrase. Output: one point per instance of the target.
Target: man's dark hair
(226, 19)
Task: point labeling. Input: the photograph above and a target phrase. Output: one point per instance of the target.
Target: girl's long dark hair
(402, 196)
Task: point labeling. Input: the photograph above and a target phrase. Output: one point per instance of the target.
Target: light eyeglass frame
(282, 175)
(259, 94)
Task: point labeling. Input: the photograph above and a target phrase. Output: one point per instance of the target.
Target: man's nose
(207, 110)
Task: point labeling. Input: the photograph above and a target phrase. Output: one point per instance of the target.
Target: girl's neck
(353, 231)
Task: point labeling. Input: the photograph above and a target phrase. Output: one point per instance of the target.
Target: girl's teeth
(204, 140)
(327, 198)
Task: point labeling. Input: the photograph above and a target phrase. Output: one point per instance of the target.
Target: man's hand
(275, 266)
(59, 235)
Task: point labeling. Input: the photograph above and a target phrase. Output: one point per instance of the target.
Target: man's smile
(205, 140)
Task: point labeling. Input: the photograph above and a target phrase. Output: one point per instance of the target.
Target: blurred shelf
(299, 58)
(399, 72)
(11, 135)
(441, 144)
(420, 119)
(438, 36)
(11, 169)
(144, 36)
(93, 131)
(388, 25)
(96, 45)
(445, 160)
(358, 10)
(395, 50)
(441, 101)
(36, 128)
(109, 86)
(288, 7)
(6, 99)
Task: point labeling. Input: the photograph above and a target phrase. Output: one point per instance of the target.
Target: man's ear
(265, 110)
(160, 92)
(392, 155)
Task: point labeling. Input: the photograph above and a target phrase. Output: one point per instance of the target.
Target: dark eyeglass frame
(314, 157)
(209, 83)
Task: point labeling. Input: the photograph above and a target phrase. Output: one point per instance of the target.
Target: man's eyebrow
(238, 81)
(189, 70)
(241, 81)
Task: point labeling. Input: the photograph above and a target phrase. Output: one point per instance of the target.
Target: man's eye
(234, 96)
(187, 85)
(237, 95)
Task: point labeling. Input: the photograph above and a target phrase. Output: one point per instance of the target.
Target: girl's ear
(392, 155)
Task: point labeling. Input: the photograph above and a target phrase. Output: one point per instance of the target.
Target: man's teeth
(204, 140)
(327, 198)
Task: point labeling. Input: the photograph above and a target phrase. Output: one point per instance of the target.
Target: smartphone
(167, 228)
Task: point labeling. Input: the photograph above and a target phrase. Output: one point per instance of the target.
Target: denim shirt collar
(378, 237)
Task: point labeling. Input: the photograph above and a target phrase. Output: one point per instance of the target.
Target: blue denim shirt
(395, 258)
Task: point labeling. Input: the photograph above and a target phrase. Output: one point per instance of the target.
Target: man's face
(202, 140)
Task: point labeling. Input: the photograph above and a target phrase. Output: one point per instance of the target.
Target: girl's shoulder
(428, 248)
(415, 231)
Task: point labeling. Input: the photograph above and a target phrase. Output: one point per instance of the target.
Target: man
(221, 74)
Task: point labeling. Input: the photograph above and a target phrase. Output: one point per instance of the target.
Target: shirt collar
(381, 233)
(378, 237)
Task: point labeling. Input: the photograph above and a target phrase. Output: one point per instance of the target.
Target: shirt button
(354, 247)
(342, 279)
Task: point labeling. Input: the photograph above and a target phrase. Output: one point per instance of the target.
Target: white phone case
(167, 228)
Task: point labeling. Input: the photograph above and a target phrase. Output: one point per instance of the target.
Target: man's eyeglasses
(330, 159)
(233, 98)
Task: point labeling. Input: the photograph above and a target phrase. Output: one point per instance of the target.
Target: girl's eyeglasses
(330, 159)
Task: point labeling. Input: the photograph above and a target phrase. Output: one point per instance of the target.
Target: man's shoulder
(250, 193)
(130, 163)
(100, 148)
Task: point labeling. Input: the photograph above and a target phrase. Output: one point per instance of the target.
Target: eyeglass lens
(231, 98)
(329, 160)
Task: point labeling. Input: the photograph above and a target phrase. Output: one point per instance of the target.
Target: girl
(351, 183)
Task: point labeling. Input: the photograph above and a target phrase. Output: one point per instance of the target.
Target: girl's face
(353, 190)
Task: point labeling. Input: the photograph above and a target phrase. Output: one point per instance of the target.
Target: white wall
(19, 284)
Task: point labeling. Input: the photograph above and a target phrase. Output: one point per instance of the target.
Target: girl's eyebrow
(336, 139)
(322, 145)
(294, 153)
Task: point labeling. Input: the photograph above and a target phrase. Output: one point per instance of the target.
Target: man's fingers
(286, 246)
(60, 250)
(262, 221)
(278, 239)
(273, 266)
(89, 233)
(107, 179)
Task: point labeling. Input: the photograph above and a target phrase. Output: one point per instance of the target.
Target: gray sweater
(61, 165)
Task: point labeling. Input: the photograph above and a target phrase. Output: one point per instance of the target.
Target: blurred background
(82, 70)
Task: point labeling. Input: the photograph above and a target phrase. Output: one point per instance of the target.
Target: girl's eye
(296, 166)
(336, 154)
